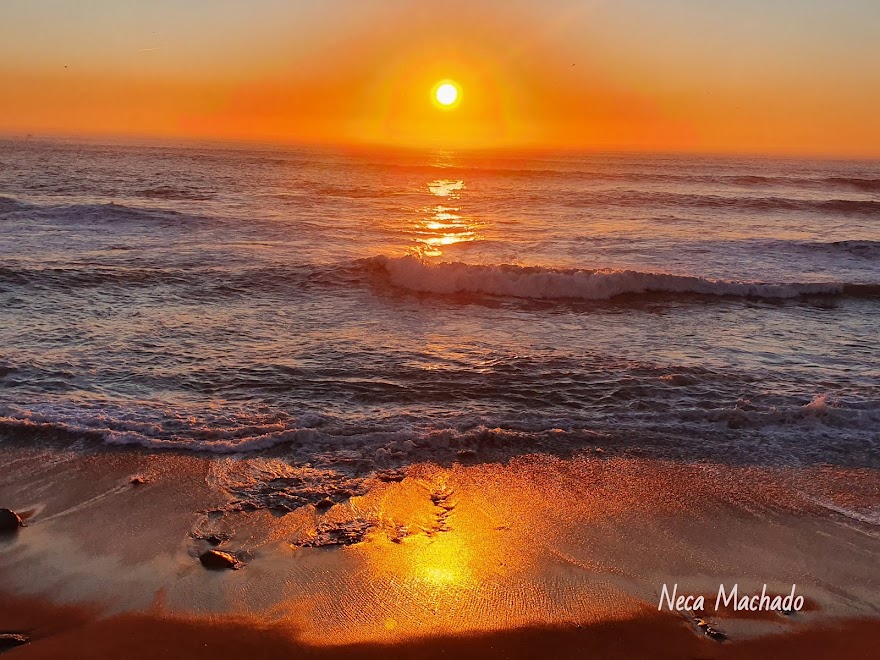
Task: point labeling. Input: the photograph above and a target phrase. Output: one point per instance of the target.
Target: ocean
(359, 310)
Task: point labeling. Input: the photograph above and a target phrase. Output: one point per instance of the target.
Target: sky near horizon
(743, 76)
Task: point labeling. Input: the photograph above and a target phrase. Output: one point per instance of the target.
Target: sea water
(357, 309)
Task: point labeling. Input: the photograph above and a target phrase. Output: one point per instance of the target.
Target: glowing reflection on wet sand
(462, 550)
(432, 550)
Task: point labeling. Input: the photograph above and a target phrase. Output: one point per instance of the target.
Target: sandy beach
(449, 329)
(537, 556)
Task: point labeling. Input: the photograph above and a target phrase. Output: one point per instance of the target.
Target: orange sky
(797, 77)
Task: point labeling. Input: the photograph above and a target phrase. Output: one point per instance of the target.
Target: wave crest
(574, 284)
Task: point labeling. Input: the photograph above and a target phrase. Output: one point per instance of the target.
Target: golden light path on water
(445, 225)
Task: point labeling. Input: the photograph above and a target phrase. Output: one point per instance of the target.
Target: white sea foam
(401, 441)
(548, 284)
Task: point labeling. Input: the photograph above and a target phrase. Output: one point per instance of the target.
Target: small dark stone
(138, 480)
(709, 631)
(11, 640)
(9, 521)
(324, 504)
(216, 559)
(213, 539)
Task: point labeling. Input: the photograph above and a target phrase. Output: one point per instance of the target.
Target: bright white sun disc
(446, 94)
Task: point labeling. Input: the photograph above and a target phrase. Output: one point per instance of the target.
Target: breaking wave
(414, 274)
(539, 283)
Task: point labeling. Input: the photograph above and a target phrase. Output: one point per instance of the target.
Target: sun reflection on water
(446, 187)
(445, 225)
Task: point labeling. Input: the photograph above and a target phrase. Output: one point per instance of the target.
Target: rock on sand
(217, 559)
(9, 521)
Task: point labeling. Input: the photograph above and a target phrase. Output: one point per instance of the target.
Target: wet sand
(60, 632)
(535, 557)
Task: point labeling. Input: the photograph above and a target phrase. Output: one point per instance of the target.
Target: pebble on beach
(217, 559)
(9, 521)
(11, 640)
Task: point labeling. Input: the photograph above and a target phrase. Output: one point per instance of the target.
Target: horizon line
(139, 139)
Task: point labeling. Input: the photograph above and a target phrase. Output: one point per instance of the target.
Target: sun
(447, 94)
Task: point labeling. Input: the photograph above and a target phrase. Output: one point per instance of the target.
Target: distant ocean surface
(367, 309)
